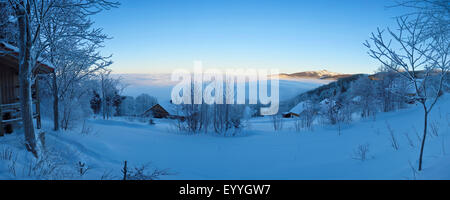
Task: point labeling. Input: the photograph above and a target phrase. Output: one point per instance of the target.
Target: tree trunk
(103, 99)
(25, 66)
(423, 139)
(55, 103)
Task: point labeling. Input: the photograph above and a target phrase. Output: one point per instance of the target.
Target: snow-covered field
(258, 153)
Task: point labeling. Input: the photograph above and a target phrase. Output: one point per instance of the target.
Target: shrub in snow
(277, 121)
(361, 153)
(434, 126)
(6, 154)
(142, 172)
(82, 168)
(393, 138)
(410, 141)
(86, 129)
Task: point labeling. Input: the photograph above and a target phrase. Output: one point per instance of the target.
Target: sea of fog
(160, 86)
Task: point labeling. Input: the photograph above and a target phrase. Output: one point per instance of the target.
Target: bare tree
(417, 54)
(110, 88)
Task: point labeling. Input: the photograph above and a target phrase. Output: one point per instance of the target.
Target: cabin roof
(11, 51)
(156, 107)
(299, 108)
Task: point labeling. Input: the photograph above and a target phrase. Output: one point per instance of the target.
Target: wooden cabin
(156, 111)
(296, 111)
(9, 89)
(290, 115)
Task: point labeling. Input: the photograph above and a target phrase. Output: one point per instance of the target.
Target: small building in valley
(156, 111)
(296, 111)
(290, 115)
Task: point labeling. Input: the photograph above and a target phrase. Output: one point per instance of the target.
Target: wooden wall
(9, 83)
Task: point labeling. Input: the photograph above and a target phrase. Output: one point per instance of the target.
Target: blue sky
(158, 36)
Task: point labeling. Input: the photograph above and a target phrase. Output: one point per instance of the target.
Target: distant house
(156, 111)
(9, 88)
(296, 111)
(290, 115)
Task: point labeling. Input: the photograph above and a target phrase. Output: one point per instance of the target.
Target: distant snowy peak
(322, 74)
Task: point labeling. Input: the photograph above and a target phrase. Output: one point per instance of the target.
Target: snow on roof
(168, 106)
(299, 108)
(15, 50)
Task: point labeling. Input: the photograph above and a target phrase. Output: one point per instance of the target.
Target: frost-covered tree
(110, 89)
(144, 102)
(210, 116)
(418, 50)
(32, 17)
(72, 46)
(8, 30)
(128, 106)
(364, 96)
(309, 114)
(390, 90)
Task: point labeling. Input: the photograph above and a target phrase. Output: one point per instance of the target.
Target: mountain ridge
(320, 74)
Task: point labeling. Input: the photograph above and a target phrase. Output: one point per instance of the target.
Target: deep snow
(257, 153)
